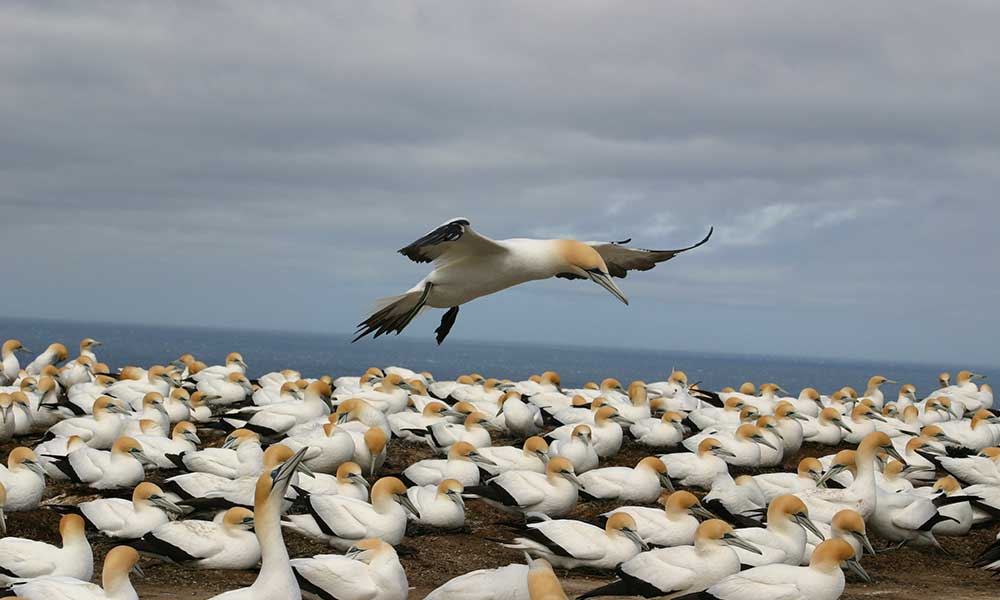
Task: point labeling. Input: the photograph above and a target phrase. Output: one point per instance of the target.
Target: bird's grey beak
(734, 540)
(855, 567)
(803, 520)
(456, 497)
(702, 512)
(634, 536)
(230, 443)
(934, 451)
(893, 382)
(724, 452)
(137, 570)
(831, 472)
(865, 542)
(166, 504)
(242, 364)
(845, 427)
(480, 459)
(665, 482)
(891, 451)
(408, 505)
(35, 468)
(876, 416)
(949, 440)
(96, 343)
(977, 376)
(764, 442)
(280, 482)
(573, 479)
(304, 468)
(358, 478)
(604, 280)
(3, 523)
(798, 417)
(192, 437)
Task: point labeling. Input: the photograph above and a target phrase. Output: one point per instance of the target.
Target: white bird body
(329, 447)
(244, 460)
(439, 505)
(26, 559)
(224, 543)
(553, 493)
(532, 457)
(976, 469)
(662, 432)
(129, 519)
(23, 479)
(505, 583)
(119, 562)
(697, 469)
(578, 449)
(674, 525)
(570, 544)
(640, 484)
(103, 469)
(373, 572)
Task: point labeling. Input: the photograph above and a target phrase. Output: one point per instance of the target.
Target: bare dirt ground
(433, 557)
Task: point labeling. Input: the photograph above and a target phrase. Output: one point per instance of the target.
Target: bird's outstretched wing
(454, 239)
(621, 259)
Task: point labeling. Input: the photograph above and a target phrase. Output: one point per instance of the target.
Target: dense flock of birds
(305, 455)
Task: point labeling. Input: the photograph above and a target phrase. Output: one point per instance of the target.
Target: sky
(257, 164)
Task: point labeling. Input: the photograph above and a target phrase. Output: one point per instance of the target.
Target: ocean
(318, 354)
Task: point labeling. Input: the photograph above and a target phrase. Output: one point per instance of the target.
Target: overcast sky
(257, 164)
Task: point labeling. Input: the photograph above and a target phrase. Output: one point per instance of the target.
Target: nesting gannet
(981, 468)
(504, 583)
(126, 519)
(341, 521)
(640, 484)
(677, 571)
(275, 579)
(25, 559)
(735, 500)
(570, 544)
(357, 415)
(152, 409)
(674, 525)
(121, 467)
(11, 368)
(348, 481)
(784, 538)
(700, 468)
(846, 525)
(99, 430)
(578, 449)
(532, 456)
(54, 354)
(233, 388)
(664, 432)
(520, 418)
(183, 438)
(744, 445)
(370, 450)
(440, 505)
(239, 456)
(957, 517)
(981, 431)
(469, 265)
(23, 480)
(462, 464)
(431, 413)
(553, 493)
(828, 428)
(775, 484)
(369, 571)
(773, 452)
(606, 431)
(115, 584)
(225, 543)
(474, 430)
(821, 580)
(277, 419)
(234, 364)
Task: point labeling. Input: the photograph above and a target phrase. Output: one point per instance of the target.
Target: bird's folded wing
(109, 514)
(522, 487)
(197, 538)
(916, 514)
(59, 588)
(452, 240)
(621, 259)
(756, 585)
(571, 538)
(25, 558)
(673, 571)
(339, 576)
(344, 516)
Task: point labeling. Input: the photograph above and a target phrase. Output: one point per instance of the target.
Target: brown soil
(433, 557)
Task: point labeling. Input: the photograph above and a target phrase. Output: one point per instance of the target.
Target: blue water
(317, 354)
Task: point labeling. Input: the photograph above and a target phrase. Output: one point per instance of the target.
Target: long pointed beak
(358, 478)
(604, 280)
(891, 451)
(764, 442)
(285, 471)
(876, 416)
(865, 542)
(3, 523)
(635, 538)
(665, 482)
(480, 459)
(168, 506)
(831, 472)
(845, 427)
(573, 479)
(408, 505)
(806, 522)
(858, 570)
(734, 540)
(702, 512)
(192, 437)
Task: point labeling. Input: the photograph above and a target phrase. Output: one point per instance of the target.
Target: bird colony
(203, 467)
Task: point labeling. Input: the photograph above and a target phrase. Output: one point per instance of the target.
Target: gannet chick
(553, 493)
(674, 525)
(23, 480)
(699, 469)
(126, 519)
(26, 559)
(641, 484)
(439, 505)
(578, 449)
(469, 265)
(341, 522)
(461, 464)
(118, 564)
(370, 570)
(226, 543)
(674, 572)
(275, 579)
(570, 544)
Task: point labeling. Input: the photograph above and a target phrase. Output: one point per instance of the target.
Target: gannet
(183, 438)
(369, 571)
(127, 519)
(357, 415)
(11, 368)
(532, 456)
(776, 484)
(370, 450)
(233, 388)
(981, 468)
(121, 467)
(744, 445)
(431, 413)
(773, 452)
(674, 525)
(239, 456)
(234, 364)
(700, 468)
(341, 521)
(468, 265)
(606, 431)
(474, 430)
(440, 505)
(821, 580)
(784, 538)
(958, 516)
(152, 409)
(570, 544)
(673, 572)
(553, 493)
(54, 354)
(7, 424)
(846, 525)
(520, 418)
(664, 432)
(277, 419)
(275, 579)
(329, 447)
(640, 484)
(462, 464)
(100, 430)
(505, 583)
(828, 429)
(225, 543)
(578, 449)
(981, 431)
(118, 564)
(349, 481)
(23, 480)
(25, 559)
